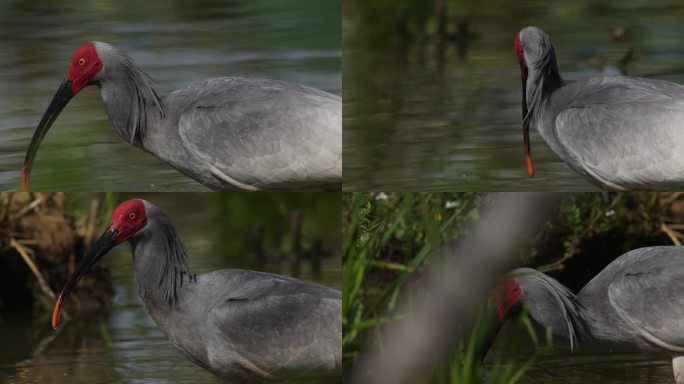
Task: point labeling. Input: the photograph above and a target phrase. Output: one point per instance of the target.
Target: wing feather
(627, 133)
(647, 294)
(265, 133)
(283, 326)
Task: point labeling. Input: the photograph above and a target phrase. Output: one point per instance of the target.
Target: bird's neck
(133, 103)
(161, 267)
(554, 306)
(542, 81)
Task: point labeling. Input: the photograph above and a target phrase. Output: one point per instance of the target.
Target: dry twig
(24, 253)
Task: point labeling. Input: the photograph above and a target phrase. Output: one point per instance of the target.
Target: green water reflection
(220, 230)
(175, 42)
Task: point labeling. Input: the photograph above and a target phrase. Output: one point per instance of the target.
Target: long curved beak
(103, 245)
(526, 125)
(59, 101)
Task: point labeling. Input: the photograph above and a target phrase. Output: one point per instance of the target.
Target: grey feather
(287, 344)
(262, 132)
(228, 133)
(619, 132)
(144, 101)
(238, 324)
(544, 77)
(611, 125)
(551, 304)
(638, 299)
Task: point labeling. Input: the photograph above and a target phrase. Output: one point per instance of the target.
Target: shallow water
(595, 363)
(418, 116)
(123, 344)
(175, 42)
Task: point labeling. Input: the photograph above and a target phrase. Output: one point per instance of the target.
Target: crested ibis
(619, 132)
(226, 133)
(240, 325)
(636, 301)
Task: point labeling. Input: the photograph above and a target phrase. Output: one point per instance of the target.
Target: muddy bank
(41, 242)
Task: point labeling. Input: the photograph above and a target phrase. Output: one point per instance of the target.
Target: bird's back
(259, 134)
(264, 325)
(637, 299)
(622, 132)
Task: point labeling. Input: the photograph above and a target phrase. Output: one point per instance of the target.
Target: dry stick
(672, 197)
(455, 287)
(23, 252)
(29, 207)
(673, 235)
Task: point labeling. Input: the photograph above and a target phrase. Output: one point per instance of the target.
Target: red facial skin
(128, 218)
(84, 65)
(517, 45)
(507, 297)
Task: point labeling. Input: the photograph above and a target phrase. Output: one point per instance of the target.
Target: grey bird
(243, 326)
(619, 132)
(636, 301)
(226, 133)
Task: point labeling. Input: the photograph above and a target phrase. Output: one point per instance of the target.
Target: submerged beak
(526, 122)
(496, 326)
(103, 245)
(489, 340)
(59, 101)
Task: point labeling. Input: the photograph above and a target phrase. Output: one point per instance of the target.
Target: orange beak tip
(56, 312)
(530, 165)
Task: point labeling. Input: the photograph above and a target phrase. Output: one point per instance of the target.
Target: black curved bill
(59, 101)
(103, 245)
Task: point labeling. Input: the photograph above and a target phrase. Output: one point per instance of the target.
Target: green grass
(377, 231)
(388, 240)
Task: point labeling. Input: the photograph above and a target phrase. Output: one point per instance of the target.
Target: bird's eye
(131, 215)
(81, 61)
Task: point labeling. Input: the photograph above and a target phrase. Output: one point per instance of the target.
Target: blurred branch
(454, 289)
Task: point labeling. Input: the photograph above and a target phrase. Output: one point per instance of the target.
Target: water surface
(593, 362)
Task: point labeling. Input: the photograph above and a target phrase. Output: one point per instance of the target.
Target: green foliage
(81, 206)
(390, 237)
(606, 224)
(270, 220)
(466, 366)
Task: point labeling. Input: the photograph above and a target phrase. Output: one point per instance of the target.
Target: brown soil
(40, 244)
